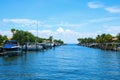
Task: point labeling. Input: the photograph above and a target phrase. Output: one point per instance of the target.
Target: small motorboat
(12, 46)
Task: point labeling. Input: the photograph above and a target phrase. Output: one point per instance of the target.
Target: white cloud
(113, 29)
(66, 32)
(20, 21)
(67, 35)
(66, 24)
(24, 23)
(113, 9)
(42, 33)
(33, 23)
(7, 33)
(60, 30)
(94, 5)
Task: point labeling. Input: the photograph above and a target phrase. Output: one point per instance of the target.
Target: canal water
(68, 62)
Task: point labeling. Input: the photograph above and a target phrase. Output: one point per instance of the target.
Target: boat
(118, 47)
(11, 47)
(32, 46)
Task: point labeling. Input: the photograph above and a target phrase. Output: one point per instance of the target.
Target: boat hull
(13, 49)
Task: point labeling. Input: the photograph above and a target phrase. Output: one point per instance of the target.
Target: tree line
(25, 36)
(103, 38)
(2, 38)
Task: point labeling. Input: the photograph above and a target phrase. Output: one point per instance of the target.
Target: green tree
(59, 41)
(13, 31)
(104, 38)
(86, 40)
(23, 36)
(2, 38)
(108, 38)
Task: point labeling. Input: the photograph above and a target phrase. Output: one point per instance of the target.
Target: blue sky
(64, 19)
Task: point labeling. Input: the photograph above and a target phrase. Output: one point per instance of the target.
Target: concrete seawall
(104, 46)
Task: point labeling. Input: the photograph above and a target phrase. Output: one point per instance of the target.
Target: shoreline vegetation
(25, 41)
(25, 36)
(103, 41)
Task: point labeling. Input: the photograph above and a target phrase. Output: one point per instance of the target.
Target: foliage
(12, 30)
(40, 40)
(25, 36)
(103, 38)
(58, 41)
(2, 38)
(86, 40)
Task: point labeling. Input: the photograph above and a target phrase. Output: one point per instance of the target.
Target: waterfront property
(103, 41)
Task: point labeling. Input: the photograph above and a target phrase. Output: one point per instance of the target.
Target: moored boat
(32, 46)
(12, 47)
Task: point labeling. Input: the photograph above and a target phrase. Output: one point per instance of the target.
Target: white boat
(31, 46)
(118, 48)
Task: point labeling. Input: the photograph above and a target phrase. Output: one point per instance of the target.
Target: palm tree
(13, 31)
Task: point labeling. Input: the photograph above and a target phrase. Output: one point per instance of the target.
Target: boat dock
(27, 47)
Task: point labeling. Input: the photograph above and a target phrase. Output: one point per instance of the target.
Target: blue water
(68, 62)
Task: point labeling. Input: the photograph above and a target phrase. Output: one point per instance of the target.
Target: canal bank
(13, 48)
(67, 62)
(103, 46)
